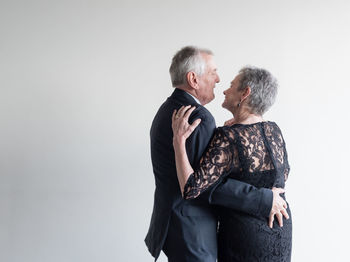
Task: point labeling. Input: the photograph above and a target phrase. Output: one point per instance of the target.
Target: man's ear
(192, 80)
(246, 93)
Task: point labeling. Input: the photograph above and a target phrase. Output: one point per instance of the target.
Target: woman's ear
(246, 93)
(192, 80)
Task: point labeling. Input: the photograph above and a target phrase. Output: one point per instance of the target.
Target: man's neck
(195, 98)
(189, 92)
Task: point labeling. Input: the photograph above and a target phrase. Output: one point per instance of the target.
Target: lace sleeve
(215, 162)
(287, 167)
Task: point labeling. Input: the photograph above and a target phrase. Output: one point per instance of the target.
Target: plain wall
(80, 82)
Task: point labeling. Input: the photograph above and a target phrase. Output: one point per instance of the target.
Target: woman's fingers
(179, 111)
(173, 116)
(182, 111)
(180, 123)
(195, 124)
(189, 112)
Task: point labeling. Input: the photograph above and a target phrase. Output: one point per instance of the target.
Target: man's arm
(244, 197)
(240, 196)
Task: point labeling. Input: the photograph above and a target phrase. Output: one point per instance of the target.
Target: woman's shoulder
(268, 126)
(271, 126)
(264, 124)
(270, 123)
(227, 131)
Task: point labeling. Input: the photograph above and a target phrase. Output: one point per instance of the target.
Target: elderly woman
(251, 150)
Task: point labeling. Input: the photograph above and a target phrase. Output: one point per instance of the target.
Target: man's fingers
(280, 219)
(285, 213)
(282, 203)
(271, 219)
(278, 190)
(229, 122)
(189, 112)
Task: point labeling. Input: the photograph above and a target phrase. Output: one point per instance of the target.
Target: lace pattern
(216, 161)
(254, 153)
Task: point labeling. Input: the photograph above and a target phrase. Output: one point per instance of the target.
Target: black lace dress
(254, 154)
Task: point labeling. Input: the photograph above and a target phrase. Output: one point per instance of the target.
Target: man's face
(232, 95)
(207, 81)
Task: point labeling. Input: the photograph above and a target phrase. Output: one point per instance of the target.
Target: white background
(80, 82)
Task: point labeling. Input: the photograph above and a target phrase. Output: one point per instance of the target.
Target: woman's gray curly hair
(263, 87)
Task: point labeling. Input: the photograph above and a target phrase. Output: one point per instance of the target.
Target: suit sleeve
(240, 196)
(218, 190)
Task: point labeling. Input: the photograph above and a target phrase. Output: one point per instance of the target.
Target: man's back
(186, 229)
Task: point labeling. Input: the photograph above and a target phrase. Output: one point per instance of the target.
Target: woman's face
(232, 96)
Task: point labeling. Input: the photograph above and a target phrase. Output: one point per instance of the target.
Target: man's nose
(217, 78)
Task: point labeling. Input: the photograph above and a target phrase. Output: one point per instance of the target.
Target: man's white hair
(188, 59)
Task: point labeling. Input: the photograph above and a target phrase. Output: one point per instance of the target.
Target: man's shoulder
(180, 98)
(202, 113)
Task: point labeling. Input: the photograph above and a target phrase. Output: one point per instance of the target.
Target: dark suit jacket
(168, 202)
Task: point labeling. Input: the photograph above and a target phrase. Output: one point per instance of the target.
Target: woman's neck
(248, 118)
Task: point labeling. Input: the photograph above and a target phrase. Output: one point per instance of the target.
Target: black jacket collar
(183, 97)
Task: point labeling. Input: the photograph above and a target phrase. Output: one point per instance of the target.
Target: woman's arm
(181, 131)
(215, 161)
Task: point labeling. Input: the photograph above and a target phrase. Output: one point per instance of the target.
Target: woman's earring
(239, 104)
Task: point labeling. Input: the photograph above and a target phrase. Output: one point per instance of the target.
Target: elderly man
(186, 230)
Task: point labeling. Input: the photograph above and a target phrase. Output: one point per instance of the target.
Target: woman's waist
(226, 214)
(257, 179)
(240, 224)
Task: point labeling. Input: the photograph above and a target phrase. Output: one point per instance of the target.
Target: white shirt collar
(195, 98)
